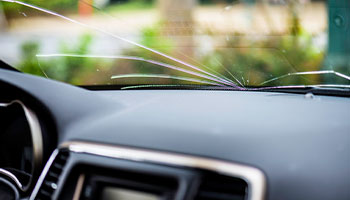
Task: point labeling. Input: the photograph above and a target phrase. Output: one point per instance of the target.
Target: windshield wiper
(157, 87)
(330, 90)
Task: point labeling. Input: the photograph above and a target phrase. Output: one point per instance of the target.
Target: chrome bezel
(254, 177)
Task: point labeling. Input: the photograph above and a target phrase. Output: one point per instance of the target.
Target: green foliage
(216, 1)
(151, 37)
(128, 6)
(14, 10)
(29, 62)
(252, 65)
(267, 59)
(73, 70)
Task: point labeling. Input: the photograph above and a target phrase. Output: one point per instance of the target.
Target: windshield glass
(226, 43)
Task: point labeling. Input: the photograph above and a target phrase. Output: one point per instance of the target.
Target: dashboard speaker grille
(51, 179)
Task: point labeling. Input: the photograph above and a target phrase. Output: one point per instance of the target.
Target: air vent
(100, 183)
(49, 184)
(219, 187)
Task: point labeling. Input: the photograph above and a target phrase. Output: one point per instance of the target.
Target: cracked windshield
(240, 44)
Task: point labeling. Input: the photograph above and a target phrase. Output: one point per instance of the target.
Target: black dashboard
(176, 144)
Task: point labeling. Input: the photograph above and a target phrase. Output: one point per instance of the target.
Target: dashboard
(60, 141)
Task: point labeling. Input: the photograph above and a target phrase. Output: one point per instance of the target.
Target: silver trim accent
(36, 136)
(79, 187)
(43, 174)
(254, 177)
(11, 176)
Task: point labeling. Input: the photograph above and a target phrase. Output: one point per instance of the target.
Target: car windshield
(143, 43)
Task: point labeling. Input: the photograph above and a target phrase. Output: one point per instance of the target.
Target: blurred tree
(294, 19)
(29, 63)
(72, 70)
(3, 22)
(177, 23)
(176, 11)
(62, 6)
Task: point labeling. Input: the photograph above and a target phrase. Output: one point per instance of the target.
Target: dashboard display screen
(114, 193)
